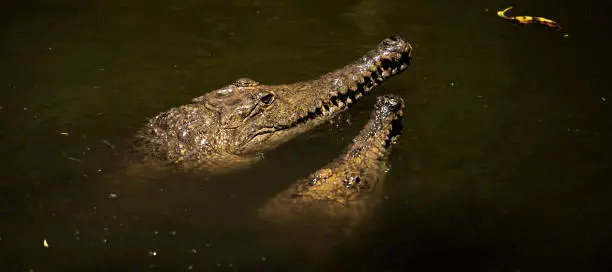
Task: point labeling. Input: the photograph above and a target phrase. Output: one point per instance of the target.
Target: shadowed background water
(504, 164)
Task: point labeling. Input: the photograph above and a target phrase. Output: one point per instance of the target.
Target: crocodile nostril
(388, 41)
(393, 40)
(392, 102)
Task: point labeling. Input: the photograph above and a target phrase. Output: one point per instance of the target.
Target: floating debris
(113, 195)
(525, 20)
(107, 143)
(45, 243)
(152, 253)
(64, 133)
(74, 159)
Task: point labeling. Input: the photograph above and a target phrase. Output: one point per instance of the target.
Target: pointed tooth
(373, 68)
(343, 90)
(377, 75)
(301, 114)
(340, 104)
(349, 100)
(323, 109)
(386, 74)
(358, 95)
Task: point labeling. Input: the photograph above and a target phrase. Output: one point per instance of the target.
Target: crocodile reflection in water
(231, 126)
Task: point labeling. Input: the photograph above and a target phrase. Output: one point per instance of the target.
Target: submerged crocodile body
(233, 125)
(343, 192)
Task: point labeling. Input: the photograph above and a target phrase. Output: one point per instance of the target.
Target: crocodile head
(259, 116)
(360, 168)
(248, 117)
(349, 186)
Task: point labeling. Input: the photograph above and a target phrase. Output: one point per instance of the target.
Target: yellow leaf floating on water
(525, 20)
(45, 244)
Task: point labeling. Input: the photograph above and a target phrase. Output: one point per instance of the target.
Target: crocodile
(343, 192)
(235, 124)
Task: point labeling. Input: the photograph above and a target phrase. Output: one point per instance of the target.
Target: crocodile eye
(267, 99)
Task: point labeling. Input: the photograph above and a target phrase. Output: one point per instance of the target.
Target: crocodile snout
(395, 43)
(389, 103)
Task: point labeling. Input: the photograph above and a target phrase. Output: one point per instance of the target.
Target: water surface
(504, 164)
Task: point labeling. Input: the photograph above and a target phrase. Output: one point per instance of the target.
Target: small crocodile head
(256, 116)
(363, 165)
(345, 190)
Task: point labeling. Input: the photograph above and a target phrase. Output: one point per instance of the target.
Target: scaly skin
(232, 125)
(344, 190)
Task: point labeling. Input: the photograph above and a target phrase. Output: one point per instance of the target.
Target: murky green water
(504, 164)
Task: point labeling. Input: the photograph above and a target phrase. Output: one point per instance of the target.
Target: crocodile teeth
(301, 114)
(349, 100)
(386, 74)
(373, 68)
(319, 104)
(358, 95)
(340, 103)
(377, 75)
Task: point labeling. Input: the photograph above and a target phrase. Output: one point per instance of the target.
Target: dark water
(504, 164)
